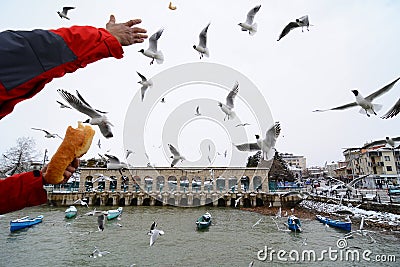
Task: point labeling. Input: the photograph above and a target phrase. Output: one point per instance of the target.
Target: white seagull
(152, 51)
(265, 145)
(176, 156)
(81, 202)
(96, 117)
(249, 25)
(145, 84)
(301, 22)
(237, 201)
(393, 111)
(154, 234)
(62, 105)
(114, 163)
(391, 141)
(197, 111)
(202, 47)
(228, 108)
(63, 13)
(257, 222)
(365, 103)
(97, 253)
(48, 134)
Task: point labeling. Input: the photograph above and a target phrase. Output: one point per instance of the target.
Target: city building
(296, 161)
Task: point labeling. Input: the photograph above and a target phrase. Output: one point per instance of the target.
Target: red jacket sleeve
(20, 191)
(31, 59)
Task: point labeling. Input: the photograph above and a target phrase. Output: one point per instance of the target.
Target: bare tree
(18, 159)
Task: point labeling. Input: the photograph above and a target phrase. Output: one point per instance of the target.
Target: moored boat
(112, 214)
(204, 221)
(71, 212)
(24, 222)
(344, 225)
(294, 223)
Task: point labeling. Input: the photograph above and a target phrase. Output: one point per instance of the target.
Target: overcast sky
(353, 44)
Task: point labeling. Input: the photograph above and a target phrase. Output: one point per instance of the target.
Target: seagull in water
(228, 108)
(265, 145)
(365, 103)
(97, 253)
(48, 134)
(63, 13)
(152, 51)
(202, 47)
(301, 22)
(249, 25)
(96, 117)
(145, 84)
(393, 111)
(197, 111)
(176, 156)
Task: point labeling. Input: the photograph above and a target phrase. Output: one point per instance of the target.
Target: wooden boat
(204, 221)
(344, 225)
(71, 212)
(24, 222)
(112, 214)
(294, 223)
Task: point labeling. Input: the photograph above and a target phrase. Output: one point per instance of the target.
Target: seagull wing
(153, 40)
(272, 134)
(381, 91)
(78, 104)
(350, 105)
(288, 28)
(173, 150)
(251, 14)
(66, 8)
(393, 111)
(141, 76)
(248, 147)
(62, 105)
(232, 94)
(84, 101)
(105, 129)
(112, 158)
(198, 110)
(143, 91)
(40, 130)
(203, 36)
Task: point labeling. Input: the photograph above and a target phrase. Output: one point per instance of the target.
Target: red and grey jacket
(22, 190)
(30, 59)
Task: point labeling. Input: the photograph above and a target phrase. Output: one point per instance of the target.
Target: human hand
(125, 33)
(67, 173)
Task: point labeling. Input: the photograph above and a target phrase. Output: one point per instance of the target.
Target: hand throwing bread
(75, 144)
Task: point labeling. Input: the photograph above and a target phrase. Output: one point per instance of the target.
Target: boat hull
(335, 223)
(71, 212)
(294, 224)
(112, 214)
(25, 222)
(204, 221)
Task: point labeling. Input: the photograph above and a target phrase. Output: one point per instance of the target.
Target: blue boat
(294, 223)
(112, 214)
(24, 222)
(204, 221)
(344, 225)
(71, 212)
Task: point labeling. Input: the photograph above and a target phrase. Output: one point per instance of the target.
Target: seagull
(202, 47)
(197, 111)
(249, 25)
(97, 253)
(63, 13)
(152, 227)
(145, 84)
(170, 6)
(301, 22)
(279, 213)
(242, 124)
(393, 111)
(48, 134)
(62, 105)
(163, 100)
(81, 202)
(391, 141)
(228, 108)
(96, 117)
(365, 103)
(100, 221)
(114, 163)
(237, 201)
(101, 178)
(251, 264)
(154, 233)
(175, 155)
(128, 152)
(258, 222)
(152, 51)
(99, 144)
(267, 145)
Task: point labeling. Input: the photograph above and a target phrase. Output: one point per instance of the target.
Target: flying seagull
(202, 47)
(393, 111)
(170, 6)
(152, 51)
(257, 222)
(176, 156)
(388, 140)
(114, 163)
(242, 124)
(62, 105)
(154, 233)
(48, 134)
(237, 201)
(163, 100)
(99, 144)
(128, 152)
(145, 84)
(96, 117)
(63, 13)
(265, 145)
(249, 25)
(81, 202)
(228, 108)
(301, 22)
(198, 111)
(365, 103)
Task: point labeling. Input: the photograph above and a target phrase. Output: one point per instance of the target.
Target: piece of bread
(75, 144)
